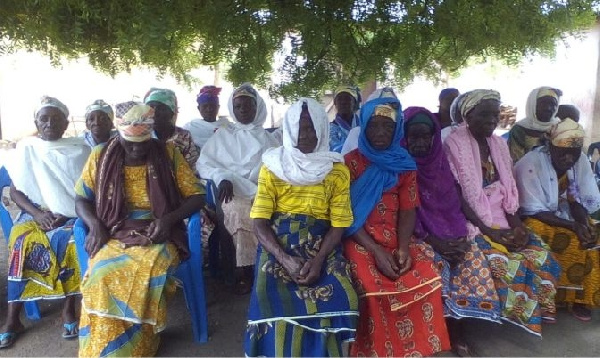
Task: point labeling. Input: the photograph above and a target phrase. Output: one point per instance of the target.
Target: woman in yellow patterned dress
(133, 195)
(558, 192)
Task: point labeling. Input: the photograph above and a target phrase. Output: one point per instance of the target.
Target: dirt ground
(227, 315)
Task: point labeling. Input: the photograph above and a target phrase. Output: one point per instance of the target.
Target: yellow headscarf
(567, 134)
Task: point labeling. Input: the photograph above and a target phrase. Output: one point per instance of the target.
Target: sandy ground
(227, 314)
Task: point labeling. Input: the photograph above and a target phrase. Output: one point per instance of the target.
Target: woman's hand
(585, 235)
(293, 265)
(96, 238)
(452, 251)
(159, 230)
(386, 263)
(225, 191)
(310, 272)
(404, 261)
(49, 221)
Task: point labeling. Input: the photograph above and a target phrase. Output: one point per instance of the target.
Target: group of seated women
(392, 248)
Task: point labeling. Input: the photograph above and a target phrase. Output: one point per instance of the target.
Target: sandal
(71, 330)
(581, 313)
(463, 350)
(7, 339)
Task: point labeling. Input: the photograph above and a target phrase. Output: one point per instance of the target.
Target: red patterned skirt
(404, 317)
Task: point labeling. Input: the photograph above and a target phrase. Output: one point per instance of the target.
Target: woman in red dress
(401, 311)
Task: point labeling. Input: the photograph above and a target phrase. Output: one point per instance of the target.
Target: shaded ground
(227, 314)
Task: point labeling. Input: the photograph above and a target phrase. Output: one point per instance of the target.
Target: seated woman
(401, 312)
(203, 128)
(164, 103)
(133, 195)
(468, 287)
(42, 261)
(231, 158)
(524, 271)
(99, 118)
(347, 102)
(528, 133)
(558, 192)
(302, 303)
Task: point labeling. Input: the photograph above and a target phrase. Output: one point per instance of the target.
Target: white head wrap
(288, 163)
(100, 105)
(47, 101)
(531, 121)
(456, 105)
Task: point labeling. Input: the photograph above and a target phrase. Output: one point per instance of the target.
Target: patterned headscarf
(122, 108)
(48, 101)
(137, 124)
(100, 105)
(208, 94)
(474, 97)
(164, 96)
(567, 134)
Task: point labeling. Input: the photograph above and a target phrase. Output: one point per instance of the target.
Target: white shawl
(235, 153)
(538, 185)
(202, 130)
(46, 171)
(290, 164)
(530, 121)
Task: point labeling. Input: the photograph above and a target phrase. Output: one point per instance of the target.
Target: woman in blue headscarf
(401, 312)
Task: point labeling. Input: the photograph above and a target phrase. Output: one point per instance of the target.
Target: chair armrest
(194, 233)
(80, 231)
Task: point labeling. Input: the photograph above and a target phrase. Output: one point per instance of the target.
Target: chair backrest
(5, 219)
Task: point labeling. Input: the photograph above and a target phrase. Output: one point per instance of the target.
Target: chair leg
(32, 311)
(193, 288)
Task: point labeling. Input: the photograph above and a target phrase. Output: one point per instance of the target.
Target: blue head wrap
(386, 165)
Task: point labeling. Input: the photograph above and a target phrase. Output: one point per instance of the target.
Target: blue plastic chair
(32, 310)
(189, 272)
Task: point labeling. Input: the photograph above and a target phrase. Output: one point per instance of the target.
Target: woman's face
(135, 150)
(51, 123)
(307, 136)
(564, 159)
(99, 124)
(244, 109)
(344, 103)
(484, 118)
(209, 111)
(419, 137)
(163, 115)
(545, 107)
(380, 132)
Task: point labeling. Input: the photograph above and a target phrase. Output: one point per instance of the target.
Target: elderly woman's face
(209, 111)
(344, 103)
(51, 123)
(135, 150)
(307, 136)
(545, 108)
(419, 137)
(380, 132)
(99, 124)
(564, 159)
(484, 118)
(163, 115)
(244, 109)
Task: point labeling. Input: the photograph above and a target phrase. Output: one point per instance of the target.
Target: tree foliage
(306, 45)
